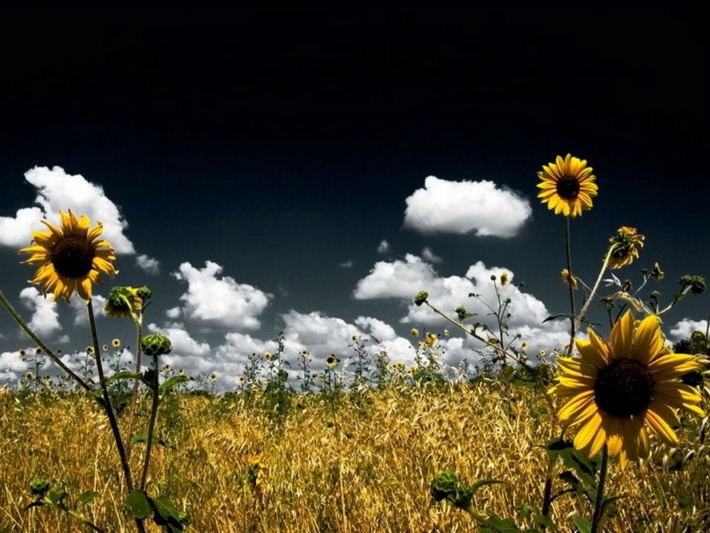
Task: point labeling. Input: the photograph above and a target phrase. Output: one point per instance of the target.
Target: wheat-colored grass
(364, 466)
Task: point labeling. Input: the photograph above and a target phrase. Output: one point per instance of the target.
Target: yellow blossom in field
(116, 343)
(415, 332)
(430, 339)
(567, 186)
(624, 247)
(70, 257)
(620, 389)
(569, 280)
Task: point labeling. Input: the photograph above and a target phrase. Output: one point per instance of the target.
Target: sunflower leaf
(583, 525)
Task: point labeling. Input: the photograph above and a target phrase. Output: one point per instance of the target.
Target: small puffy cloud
(347, 264)
(685, 328)
(429, 256)
(148, 264)
(383, 247)
(396, 279)
(220, 301)
(78, 306)
(478, 207)
(58, 190)
(45, 318)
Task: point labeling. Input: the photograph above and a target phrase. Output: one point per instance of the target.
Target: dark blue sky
(283, 143)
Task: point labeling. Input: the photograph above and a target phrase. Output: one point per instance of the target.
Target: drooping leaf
(583, 525)
(138, 504)
(88, 496)
(172, 382)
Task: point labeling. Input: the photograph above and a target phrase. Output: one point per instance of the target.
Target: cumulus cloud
(148, 264)
(183, 343)
(45, 318)
(219, 301)
(685, 328)
(58, 190)
(383, 247)
(479, 207)
(403, 279)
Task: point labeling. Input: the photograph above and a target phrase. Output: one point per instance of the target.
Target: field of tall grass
(351, 462)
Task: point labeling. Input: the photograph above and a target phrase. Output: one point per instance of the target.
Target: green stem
(151, 425)
(573, 320)
(598, 504)
(136, 383)
(107, 405)
(5, 302)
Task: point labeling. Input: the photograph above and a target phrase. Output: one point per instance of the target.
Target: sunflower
(618, 390)
(624, 249)
(430, 339)
(71, 257)
(567, 186)
(331, 360)
(116, 343)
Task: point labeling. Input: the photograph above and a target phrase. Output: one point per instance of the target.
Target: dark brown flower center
(568, 187)
(73, 257)
(623, 388)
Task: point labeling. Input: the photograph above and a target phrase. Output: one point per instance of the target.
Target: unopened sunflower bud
(156, 344)
(421, 297)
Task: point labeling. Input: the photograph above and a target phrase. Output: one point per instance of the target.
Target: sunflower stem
(136, 383)
(599, 501)
(573, 320)
(107, 405)
(151, 423)
(592, 294)
(14, 314)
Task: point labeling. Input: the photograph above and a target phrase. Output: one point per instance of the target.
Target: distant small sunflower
(70, 258)
(542, 353)
(90, 350)
(116, 343)
(524, 346)
(181, 371)
(331, 360)
(415, 332)
(241, 380)
(567, 186)
(104, 348)
(213, 378)
(167, 367)
(29, 376)
(430, 339)
(399, 366)
(304, 353)
(23, 353)
(268, 356)
(620, 389)
(624, 245)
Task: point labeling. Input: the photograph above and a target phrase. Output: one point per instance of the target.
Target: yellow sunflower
(567, 186)
(569, 280)
(71, 257)
(625, 249)
(331, 360)
(618, 390)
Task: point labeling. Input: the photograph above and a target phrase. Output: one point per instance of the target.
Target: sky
(309, 170)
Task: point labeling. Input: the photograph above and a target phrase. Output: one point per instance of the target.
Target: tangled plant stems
(72, 258)
(617, 390)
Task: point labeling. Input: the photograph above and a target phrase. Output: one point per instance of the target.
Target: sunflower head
(430, 339)
(567, 186)
(331, 360)
(71, 257)
(624, 247)
(620, 389)
(156, 344)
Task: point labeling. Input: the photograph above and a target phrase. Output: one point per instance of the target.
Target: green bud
(156, 344)
(421, 297)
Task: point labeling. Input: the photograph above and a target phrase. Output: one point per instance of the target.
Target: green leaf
(583, 525)
(88, 496)
(544, 521)
(496, 524)
(144, 438)
(138, 504)
(172, 382)
(166, 514)
(56, 498)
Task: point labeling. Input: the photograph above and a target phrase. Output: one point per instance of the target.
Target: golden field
(358, 462)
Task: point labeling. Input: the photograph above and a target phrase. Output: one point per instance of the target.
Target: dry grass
(366, 467)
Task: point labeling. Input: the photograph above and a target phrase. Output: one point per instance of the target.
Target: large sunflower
(567, 186)
(71, 257)
(618, 390)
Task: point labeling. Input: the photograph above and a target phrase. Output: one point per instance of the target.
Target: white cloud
(78, 306)
(148, 264)
(404, 279)
(383, 247)
(58, 190)
(461, 207)
(685, 328)
(347, 264)
(183, 344)
(220, 302)
(429, 255)
(45, 318)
